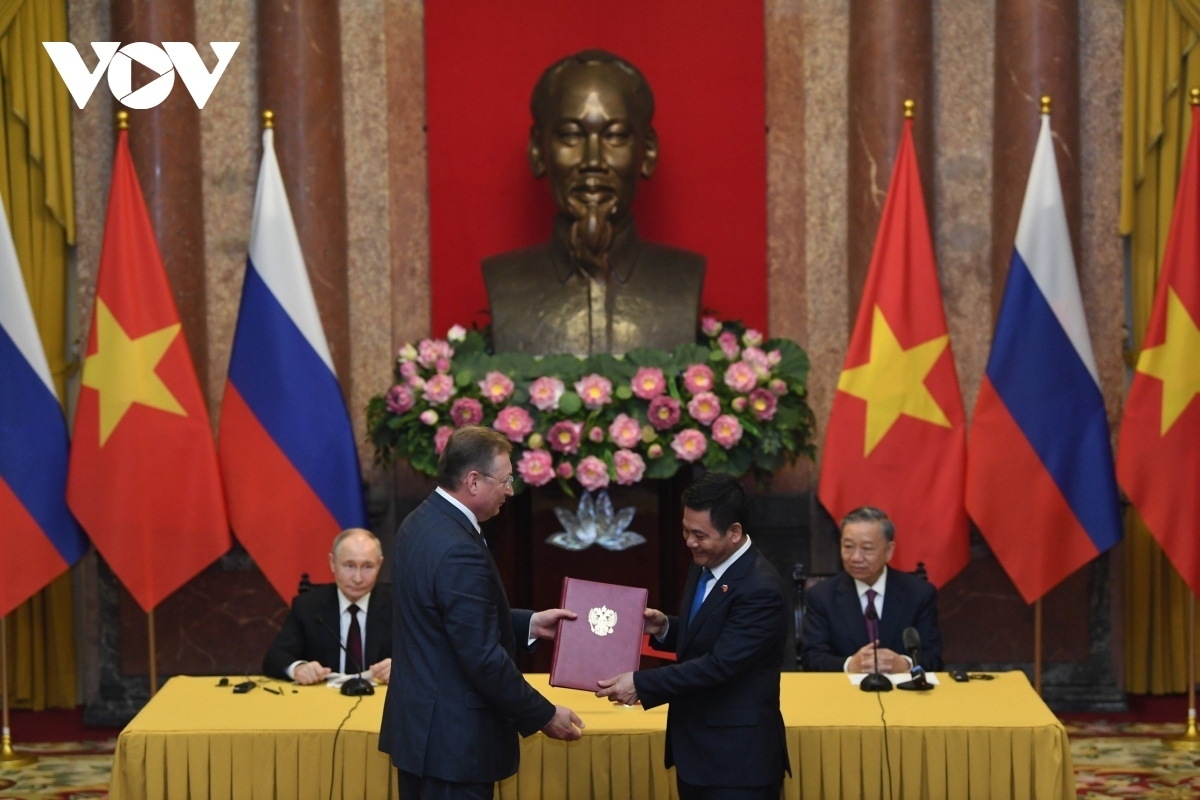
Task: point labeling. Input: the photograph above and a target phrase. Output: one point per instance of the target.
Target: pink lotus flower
(496, 387)
(757, 359)
(466, 411)
(565, 470)
(649, 383)
(774, 357)
(752, 338)
(729, 344)
(441, 437)
(762, 404)
(726, 430)
(689, 444)
(514, 422)
(739, 404)
(400, 399)
(592, 473)
(536, 467)
(741, 377)
(664, 412)
(596, 434)
(625, 431)
(545, 393)
(564, 436)
(416, 383)
(429, 416)
(629, 467)
(778, 387)
(654, 451)
(594, 390)
(410, 370)
(698, 378)
(442, 366)
(457, 333)
(439, 389)
(430, 350)
(710, 325)
(705, 407)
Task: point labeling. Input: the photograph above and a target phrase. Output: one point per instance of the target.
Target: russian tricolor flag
(1040, 479)
(286, 447)
(39, 539)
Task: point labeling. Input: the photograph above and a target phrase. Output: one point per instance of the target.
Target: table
(991, 739)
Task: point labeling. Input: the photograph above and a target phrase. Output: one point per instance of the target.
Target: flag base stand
(1189, 739)
(9, 758)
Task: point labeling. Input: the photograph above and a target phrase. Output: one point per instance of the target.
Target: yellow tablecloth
(987, 739)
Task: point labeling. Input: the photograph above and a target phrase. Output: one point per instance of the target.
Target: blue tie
(701, 585)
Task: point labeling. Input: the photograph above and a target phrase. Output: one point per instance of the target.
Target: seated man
(838, 634)
(353, 608)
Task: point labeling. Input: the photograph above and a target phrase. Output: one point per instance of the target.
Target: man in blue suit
(725, 734)
(457, 702)
(840, 631)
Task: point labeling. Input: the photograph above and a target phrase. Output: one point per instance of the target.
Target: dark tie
(701, 585)
(354, 641)
(872, 624)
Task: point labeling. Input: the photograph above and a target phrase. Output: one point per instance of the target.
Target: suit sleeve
(671, 640)
(754, 626)
(463, 589)
(520, 623)
(287, 648)
(931, 634)
(817, 653)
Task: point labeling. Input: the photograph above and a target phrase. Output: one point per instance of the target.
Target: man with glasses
(458, 701)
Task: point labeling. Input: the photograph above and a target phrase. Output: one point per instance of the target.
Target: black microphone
(875, 682)
(912, 645)
(356, 686)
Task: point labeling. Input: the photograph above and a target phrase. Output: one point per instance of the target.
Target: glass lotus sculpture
(595, 523)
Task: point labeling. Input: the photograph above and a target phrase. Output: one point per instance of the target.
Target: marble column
(300, 79)
(890, 60)
(165, 144)
(1040, 56)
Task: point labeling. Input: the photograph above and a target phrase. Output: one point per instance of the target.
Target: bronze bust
(596, 286)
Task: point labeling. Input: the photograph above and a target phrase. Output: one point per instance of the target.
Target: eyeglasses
(507, 481)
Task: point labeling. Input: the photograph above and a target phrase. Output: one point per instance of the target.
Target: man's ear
(650, 159)
(735, 532)
(537, 164)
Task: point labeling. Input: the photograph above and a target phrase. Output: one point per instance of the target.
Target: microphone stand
(876, 681)
(358, 685)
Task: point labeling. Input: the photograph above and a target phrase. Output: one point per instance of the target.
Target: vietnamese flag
(1158, 453)
(143, 479)
(896, 438)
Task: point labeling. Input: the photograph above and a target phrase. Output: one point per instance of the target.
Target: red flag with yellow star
(143, 479)
(896, 438)
(1158, 453)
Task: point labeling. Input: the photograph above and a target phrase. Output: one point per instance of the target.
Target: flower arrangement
(731, 402)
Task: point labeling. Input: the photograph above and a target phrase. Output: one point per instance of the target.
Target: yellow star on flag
(1175, 362)
(893, 382)
(122, 370)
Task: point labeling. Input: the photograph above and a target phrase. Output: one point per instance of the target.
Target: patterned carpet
(1122, 759)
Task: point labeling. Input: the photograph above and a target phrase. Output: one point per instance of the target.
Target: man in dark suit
(725, 734)
(452, 716)
(353, 608)
(839, 632)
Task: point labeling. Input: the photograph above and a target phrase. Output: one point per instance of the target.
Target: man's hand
(655, 622)
(619, 689)
(382, 671)
(310, 672)
(544, 624)
(564, 724)
(889, 660)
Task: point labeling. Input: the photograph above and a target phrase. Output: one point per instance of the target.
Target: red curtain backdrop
(705, 63)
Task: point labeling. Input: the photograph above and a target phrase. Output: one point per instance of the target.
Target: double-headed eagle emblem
(602, 620)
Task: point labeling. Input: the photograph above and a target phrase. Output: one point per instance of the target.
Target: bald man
(352, 610)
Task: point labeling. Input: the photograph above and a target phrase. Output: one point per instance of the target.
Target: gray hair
(871, 514)
(346, 534)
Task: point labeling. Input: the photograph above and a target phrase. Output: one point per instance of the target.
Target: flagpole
(1190, 738)
(1037, 646)
(8, 758)
(153, 653)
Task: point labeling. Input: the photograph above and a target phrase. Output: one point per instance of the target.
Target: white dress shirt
(344, 631)
(880, 587)
(717, 572)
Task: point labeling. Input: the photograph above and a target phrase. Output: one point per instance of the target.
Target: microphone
(356, 686)
(912, 645)
(875, 682)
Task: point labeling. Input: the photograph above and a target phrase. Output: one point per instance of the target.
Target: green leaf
(663, 467)
(645, 357)
(462, 378)
(623, 392)
(691, 353)
(569, 404)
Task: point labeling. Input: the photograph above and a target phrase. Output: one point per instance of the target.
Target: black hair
(722, 496)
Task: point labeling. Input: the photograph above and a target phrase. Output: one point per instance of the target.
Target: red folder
(604, 640)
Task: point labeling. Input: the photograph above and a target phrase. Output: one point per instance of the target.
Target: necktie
(872, 624)
(701, 586)
(354, 641)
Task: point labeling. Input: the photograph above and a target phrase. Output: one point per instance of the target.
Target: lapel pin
(724, 587)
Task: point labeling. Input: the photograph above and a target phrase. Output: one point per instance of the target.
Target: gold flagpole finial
(268, 119)
(122, 120)
(1045, 104)
(1195, 97)
(910, 109)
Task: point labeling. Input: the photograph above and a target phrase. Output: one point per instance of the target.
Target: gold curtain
(38, 192)
(1162, 63)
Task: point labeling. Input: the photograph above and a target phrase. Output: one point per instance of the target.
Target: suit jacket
(724, 727)
(302, 638)
(457, 700)
(835, 628)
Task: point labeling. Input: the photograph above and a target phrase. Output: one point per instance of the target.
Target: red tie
(354, 641)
